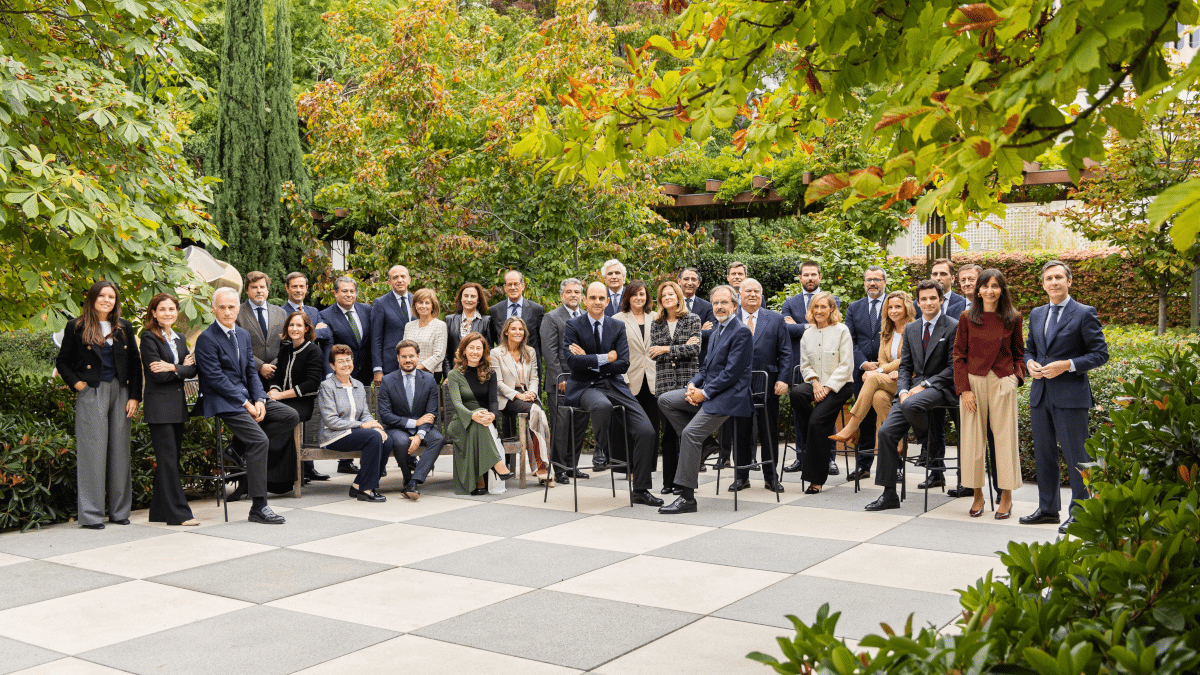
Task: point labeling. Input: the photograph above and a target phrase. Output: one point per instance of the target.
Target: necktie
(403, 309)
(1052, 325)
(689, 303)
(514, 309)
(751, 324)
(596, 333)
(807, 299)
(353, 326)
(262, 320)
(229, 334)
(925, 340)
(408, 390)
(875, 315)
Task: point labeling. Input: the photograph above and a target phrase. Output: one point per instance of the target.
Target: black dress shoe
(833, 469)
(680, 505)
(562, 479)
(311, 473)
(353, 491)
(599, 461)
(346, 466)
(932, 483)
(410, 490)
(858, 474)
(1039, 517)
(774, 486)
(884, 503)
(793, 467)
(961, 492)
(1062, 529)
(646, 497)
(479, 491)
(667, 490)
(722, 464)
(370, 496)
(123, 521)
(921, 460)
(93, 526)
(266, 516)
(576, 473)
(739, 484)
(237, 494)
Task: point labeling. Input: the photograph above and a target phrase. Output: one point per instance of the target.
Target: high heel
(852, 439)
(813, 490)
(976, 512)
(479, 491)
(503, 476)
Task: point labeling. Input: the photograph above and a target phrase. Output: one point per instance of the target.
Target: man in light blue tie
(614, 273)
(516, 304)
(795, 311)
(408, 403)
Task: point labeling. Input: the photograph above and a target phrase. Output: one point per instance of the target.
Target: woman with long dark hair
(99, 360)
(879, 385)
(517, 391)
(295, 384)
(989, 366)
(638, 315)
(477, 446)
(470, 316)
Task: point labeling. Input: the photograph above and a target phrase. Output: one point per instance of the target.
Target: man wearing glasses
(863, 319)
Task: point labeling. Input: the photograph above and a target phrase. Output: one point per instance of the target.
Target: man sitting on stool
(720, 390)
(598, 354)
(926, 380)
(408, 403)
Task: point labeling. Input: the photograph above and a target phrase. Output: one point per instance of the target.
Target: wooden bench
(305, 436)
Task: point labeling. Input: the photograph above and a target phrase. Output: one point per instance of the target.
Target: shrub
(27, 352)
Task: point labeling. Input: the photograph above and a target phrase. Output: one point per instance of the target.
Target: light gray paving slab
(70, 538)
(315, 494)
(702, 478)
(445, 488)
(754, 550)
(521, 562)
(843, 498)
(863, 606)
(711, 511)
(16, 656)
(255, 640)
(936, 534)
(38, 580)
(500, 520)
(271, 575)
(560, 628)
(302, 526)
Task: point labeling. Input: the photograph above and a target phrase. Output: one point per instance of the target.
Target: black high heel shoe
(479, 491)
(503, 476)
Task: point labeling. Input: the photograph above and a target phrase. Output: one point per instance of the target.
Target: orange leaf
(1160, 405)
(825, 186)
(678, 136)
(1010, 125)
(982, 148)
(649, 91)
(909, 189)
(933, 237)
(975, 17)
(717, 28)
(939, 96)
(739, 139)
(808, 149)
(897, 116)
(813, 83)
(1183, 473)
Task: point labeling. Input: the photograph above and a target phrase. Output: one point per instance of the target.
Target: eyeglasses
(342, 362)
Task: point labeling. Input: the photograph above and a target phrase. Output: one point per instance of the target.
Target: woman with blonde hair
(879, 384)
(675, 349)
(477, 446)
(517, 390)
(428, 331)
(826, 367)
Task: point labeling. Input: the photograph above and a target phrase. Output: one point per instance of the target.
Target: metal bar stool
(569, 411)
(758, 395)
(222, 476)
(794, 447)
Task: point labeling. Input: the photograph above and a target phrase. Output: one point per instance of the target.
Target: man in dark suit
(570, 291)
(772, 353)
(863, 318)
(926, 380)
(598, 354)
(516, 304)
(390, 312)
(264, 322)
(689, 281)
(408, 404)
(795, 311)
(297, 289)
(230, 389)
(613, 272)
(1065, 341)
(720, 390)
(350, 323)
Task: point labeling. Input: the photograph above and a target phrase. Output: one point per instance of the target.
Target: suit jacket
(612, 338)
(553, 326)
(703, 309)
(324, 335)
(1078, 337)
(394, 411)
(509, 373)
(265, 347)
(481, 323)
(302, 371)
(864, 332)
(674, 369)
(165, 401)
(613, 308)
(953, 305)
(531, 312)
(387, 330)
(228, 377)
(334, 403)
(936, 366)
(772, 345)
(725, 374)
(335, 316)
(79, 362)
(640, 363)
(795, 308)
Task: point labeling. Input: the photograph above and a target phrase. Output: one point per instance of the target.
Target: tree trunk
(1162, 305)
(1195, 300)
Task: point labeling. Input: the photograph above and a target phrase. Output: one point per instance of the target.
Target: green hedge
(27, 352)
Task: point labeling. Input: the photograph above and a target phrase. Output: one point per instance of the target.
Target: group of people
(635, 362)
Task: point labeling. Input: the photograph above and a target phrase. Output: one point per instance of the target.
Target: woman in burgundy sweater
(988, 368)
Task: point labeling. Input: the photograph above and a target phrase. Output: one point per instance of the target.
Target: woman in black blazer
(167, 363)
(298, 376)
(99, 360)
(470, 316)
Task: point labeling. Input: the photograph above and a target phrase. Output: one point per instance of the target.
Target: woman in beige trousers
(879, 384)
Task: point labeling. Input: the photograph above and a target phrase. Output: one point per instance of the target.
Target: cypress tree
(285, 157)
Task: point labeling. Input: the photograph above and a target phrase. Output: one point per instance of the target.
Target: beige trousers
(877, 392)
(995, 401)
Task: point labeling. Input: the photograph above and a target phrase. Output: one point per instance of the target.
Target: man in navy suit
(1065, 341)
(614, 273)
(408, 403)
(598, 354)
(516, 304)
(720, 390)
(863, 318)
(230, 389)
(689, 281)
(795, 313)
(390, 312)
(297, 290)
(350, 323)
(772, 353)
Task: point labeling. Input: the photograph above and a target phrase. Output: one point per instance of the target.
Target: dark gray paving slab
(16, 656)
(445, 488)
(301, 526)
(259, 640)
(524, 563)
(270, 575)
(755, 550)
(38, 580)
(70, 538)
(568, 630)
(500, 520)
(712, 512)
(703, 478)
(316, 493)
(936, 534)
(863, 606)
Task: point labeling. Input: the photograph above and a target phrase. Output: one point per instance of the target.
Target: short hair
(723, 287)
(337, 283)
(310, 333)
(254, 277)
(755, 281)
(926, 284)
(810, 263)
(427, 294)
(943, 261)
(876, 268)
(736, 263)
(680, 309)
(699, 277)
(508, 272)
(631, 290)
(835, 314)
(337, 350)
(1057, 263)
(480, 298)
(611, 262)
(968, 267)
(407, 343)
(294, 275)
(222, 291)
(562, 285)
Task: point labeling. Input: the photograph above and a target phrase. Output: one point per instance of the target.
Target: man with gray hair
(570, 291)
(614, 273)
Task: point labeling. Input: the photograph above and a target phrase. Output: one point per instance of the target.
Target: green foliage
(285, 156)
(27, 352)
(92, 185)
(844, 257)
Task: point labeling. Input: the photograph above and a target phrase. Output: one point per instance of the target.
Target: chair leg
(297, 439)
(221, 465)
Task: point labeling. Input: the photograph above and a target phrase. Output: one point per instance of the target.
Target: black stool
(758, 395)
(222, 477)
(569, 411)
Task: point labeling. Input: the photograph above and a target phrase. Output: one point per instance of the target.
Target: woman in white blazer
(636, 312)
(517, 390)
(826, 366)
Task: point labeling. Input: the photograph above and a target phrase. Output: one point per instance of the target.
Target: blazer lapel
(1063, 317)
(253, 320)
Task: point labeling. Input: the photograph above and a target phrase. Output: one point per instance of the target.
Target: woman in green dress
(477, 446)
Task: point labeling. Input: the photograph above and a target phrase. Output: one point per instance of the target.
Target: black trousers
(768, 436)
(168, 504)
(818, 418)
(912, 413)
(257, 439)
(599, 400)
